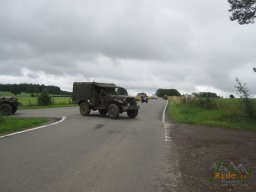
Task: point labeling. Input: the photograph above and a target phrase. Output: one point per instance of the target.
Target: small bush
(44, 98)
(231, 96)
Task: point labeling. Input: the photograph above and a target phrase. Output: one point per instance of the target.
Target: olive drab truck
(106, 98)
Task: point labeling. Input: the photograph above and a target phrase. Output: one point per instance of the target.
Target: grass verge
(225, 115)
(14, 124)
(48, 106)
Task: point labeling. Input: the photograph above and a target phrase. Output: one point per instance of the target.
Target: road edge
(163, 117)
(166, 125)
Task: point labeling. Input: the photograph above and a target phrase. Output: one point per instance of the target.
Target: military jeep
(104, 97)
(8, 105)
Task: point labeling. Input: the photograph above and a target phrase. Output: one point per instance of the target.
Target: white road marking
(167, 132)
(40, 127)
(163, 118)
(166, 125)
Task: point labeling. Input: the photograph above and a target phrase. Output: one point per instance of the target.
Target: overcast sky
(141, 45)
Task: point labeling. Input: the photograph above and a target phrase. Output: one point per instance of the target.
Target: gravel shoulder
(200, 146)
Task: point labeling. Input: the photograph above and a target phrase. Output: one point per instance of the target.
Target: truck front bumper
(131, 107)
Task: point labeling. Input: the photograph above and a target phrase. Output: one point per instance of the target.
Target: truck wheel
(103, 112)
(6, 109)
(132, 113)
(84, 109)
(113, 111)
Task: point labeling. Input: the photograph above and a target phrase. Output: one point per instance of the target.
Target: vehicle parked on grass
(104, 97)
(8, 105)
(143, 97)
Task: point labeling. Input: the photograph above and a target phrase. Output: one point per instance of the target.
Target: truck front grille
(131, 101)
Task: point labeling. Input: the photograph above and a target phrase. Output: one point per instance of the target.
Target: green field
(14, 124)
(28, 101)
(227, 113)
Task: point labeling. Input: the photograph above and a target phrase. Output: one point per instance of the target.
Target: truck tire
(14, 109)
(103, 112)
(5, 109)
(85, 109)
(113, 111)
(132, 113)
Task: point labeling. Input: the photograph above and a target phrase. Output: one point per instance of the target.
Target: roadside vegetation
(217, 112)
(14, 124)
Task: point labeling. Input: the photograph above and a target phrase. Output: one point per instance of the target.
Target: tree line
(205, 95)
(174, 92)
(32, 88)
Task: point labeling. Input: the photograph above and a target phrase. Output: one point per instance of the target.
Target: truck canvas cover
(85, 89)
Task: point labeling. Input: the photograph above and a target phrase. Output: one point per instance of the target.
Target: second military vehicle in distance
(8, 105)
(143, 97)
(104, 97)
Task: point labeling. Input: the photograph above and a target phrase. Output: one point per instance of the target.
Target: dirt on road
(207, 153)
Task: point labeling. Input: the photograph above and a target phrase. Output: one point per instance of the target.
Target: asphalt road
(94, 154)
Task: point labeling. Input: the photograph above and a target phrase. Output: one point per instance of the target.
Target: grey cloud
(142, 44)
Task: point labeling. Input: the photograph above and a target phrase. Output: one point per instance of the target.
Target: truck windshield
(111, 91)
(117, 91)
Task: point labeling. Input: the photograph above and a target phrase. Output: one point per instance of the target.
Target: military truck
(104, 97)
(8, 105)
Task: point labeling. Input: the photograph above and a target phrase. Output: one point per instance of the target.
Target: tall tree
(168, 92)
(243, 11)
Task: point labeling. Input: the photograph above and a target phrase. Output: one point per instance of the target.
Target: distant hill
(32, 88)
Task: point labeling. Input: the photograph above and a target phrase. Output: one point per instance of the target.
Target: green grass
(14, 124)
(226, 113)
